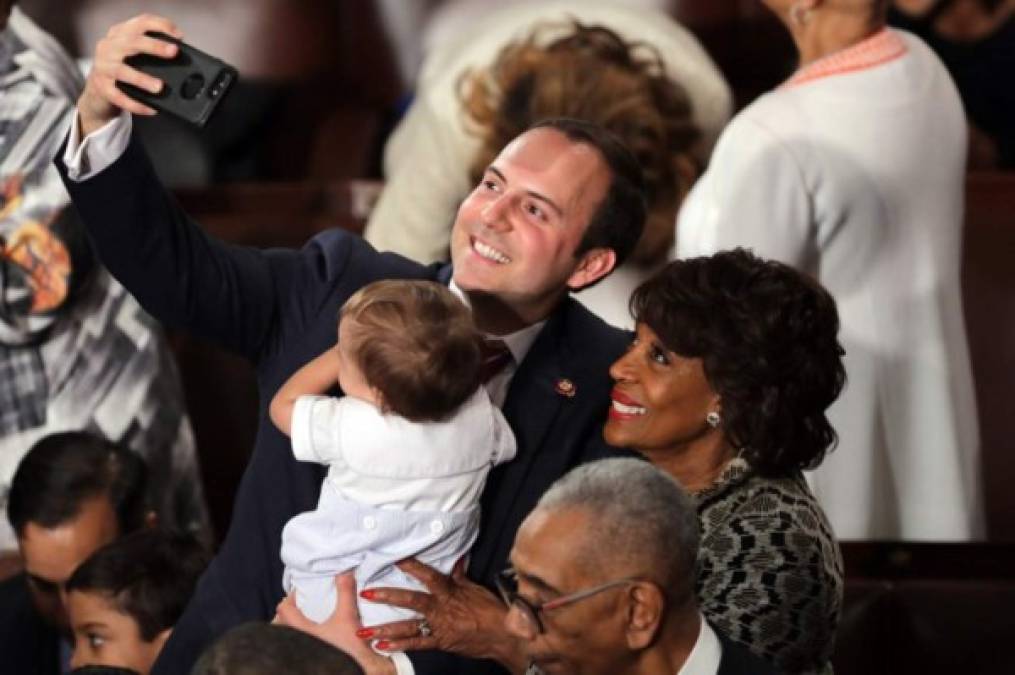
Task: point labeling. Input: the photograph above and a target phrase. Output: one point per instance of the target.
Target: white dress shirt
(705, 655)
(518, 343)
(703, 659)
(85, 157)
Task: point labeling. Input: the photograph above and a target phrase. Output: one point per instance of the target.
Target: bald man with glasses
(602, 579)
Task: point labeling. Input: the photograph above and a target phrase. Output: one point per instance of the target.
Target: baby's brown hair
(415, 343)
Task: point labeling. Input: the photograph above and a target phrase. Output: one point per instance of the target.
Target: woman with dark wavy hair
(725, 387)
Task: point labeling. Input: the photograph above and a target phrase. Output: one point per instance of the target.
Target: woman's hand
(101, 100)
(340, 629)
(463, 618)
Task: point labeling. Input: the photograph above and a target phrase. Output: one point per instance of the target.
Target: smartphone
(194, 82)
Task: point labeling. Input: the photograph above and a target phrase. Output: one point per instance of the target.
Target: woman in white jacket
(852, 170)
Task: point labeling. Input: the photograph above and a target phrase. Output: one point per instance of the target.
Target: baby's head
(410, 347)
(124, 600)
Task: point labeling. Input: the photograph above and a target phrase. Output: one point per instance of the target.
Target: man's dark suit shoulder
(28, 646)
(588, 347)
(738, 660)
(589, 336)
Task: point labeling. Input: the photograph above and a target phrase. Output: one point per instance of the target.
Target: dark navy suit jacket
(737, 660)
(279, 308)
(28, 645)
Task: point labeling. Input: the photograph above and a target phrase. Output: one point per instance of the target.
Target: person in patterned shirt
(725, 388)
(77, 352)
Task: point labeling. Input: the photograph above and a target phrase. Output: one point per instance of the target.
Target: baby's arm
(316, 377)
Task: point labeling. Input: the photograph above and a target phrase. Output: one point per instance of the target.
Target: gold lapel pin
(565, 387)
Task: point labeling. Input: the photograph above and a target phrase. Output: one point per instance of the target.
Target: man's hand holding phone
(101, 100)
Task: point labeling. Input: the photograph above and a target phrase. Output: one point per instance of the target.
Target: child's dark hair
(416, 344)
(148, 575)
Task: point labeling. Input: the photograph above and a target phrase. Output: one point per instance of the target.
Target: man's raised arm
(178, 273)
(101, 128)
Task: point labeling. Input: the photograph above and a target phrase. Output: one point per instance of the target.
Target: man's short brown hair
(416, 344)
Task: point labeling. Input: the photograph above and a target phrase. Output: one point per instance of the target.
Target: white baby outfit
(395, 489)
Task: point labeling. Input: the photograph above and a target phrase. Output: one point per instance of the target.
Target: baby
(408, 447)
(124, 600)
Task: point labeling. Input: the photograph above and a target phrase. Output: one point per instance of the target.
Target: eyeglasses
(507, 585)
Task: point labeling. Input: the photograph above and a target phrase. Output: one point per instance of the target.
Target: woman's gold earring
(713, 420)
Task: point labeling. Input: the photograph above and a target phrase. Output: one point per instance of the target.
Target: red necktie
(496, 356)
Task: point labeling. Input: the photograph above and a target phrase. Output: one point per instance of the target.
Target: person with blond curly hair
(635, 72)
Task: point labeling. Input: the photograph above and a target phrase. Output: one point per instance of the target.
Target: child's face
(350, 377)
(105, 636)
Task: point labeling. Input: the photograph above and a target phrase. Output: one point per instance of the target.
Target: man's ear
(592, 266)
(646, 607)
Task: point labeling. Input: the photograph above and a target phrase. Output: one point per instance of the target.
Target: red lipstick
(622, 399)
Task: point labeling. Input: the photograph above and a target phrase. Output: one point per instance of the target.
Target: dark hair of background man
(265, 649)
(62, 471)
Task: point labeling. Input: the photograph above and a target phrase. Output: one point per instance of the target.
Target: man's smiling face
(516, 234)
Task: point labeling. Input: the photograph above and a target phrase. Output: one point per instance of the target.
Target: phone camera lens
(192, 86)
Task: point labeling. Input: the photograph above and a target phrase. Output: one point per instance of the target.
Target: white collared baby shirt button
(436, 526)
(369, 522)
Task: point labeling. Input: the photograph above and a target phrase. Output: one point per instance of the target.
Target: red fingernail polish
(367, 594)
(365, 633)
(383, 644)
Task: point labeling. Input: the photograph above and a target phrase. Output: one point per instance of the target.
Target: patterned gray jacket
(770, 572)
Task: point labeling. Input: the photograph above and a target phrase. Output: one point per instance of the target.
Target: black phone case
(195, 82)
